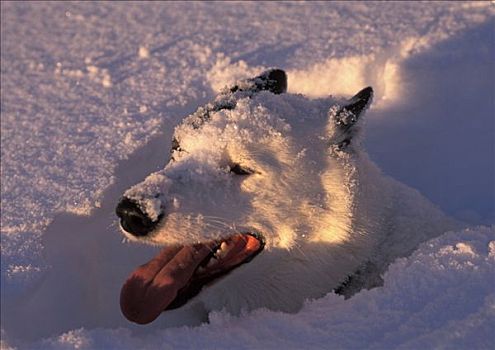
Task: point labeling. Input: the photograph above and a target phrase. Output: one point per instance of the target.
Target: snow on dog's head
(252, 161)
(255, 169)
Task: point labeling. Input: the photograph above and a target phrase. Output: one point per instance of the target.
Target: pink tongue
(154, 285)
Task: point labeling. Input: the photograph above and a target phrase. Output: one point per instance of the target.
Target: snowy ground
(90, 93)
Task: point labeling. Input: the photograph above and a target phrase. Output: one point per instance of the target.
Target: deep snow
(440, 297)
(90, 93)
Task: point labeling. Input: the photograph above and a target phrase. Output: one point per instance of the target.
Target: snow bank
(443, 296)
(86, 85)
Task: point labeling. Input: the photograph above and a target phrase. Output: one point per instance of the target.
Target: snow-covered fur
(329, 217)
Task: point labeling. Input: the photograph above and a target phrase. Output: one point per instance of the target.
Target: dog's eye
(240, 170)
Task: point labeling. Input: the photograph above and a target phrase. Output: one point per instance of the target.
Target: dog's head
(255, 169)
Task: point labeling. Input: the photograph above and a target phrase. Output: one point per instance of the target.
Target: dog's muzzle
(178, 272)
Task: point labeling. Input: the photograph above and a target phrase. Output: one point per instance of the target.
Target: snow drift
(440, 297)
(90, 94)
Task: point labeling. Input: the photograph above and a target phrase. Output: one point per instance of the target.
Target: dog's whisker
(221, 221)
(219, 228)
(213, 224)
(219, 224)
(215, 217)
(217, 221)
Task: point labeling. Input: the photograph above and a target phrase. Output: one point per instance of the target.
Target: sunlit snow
(91, 93)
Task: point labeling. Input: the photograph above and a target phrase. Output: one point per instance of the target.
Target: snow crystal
(74, 339)
(143, 52)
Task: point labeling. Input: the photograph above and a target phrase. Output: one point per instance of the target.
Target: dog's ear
(346, 117)
(273, 80)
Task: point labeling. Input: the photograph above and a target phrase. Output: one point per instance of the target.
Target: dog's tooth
(211, 263)
(223, 252)
(223, 246)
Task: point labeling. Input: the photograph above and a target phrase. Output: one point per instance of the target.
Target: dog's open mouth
(178, 273)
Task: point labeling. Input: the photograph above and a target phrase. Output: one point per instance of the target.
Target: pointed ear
(347, 116)
(273, 80)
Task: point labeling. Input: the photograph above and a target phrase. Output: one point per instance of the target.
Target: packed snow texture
(440, 297)
(90, 93)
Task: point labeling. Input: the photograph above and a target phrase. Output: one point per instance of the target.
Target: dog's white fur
(325, 211)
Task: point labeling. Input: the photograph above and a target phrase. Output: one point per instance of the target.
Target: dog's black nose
(133, 219)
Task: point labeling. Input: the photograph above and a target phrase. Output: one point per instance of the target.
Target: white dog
(273, 193)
